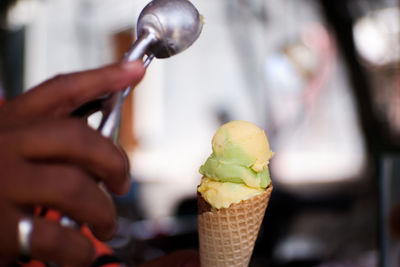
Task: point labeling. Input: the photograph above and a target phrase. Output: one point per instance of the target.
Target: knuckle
(67, 82)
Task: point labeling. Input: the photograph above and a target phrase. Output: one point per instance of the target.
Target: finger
(64, 93)
(69, 91)
(67, 189)
(49, 241)
(70, 140)
(9, 247)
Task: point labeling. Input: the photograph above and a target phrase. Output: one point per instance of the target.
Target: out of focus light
(317, 167)
(21, 13)
(377, 40)
(377, 37)
(297, 248)
(316, 138)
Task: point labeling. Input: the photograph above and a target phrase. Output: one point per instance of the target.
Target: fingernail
(127, 186)
(130, 65)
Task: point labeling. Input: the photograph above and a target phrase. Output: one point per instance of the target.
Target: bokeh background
(321, 77)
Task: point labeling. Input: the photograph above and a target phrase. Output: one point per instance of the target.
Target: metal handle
(111, 105)
(112, 110)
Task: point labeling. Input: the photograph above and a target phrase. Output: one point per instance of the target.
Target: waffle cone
(227, 236)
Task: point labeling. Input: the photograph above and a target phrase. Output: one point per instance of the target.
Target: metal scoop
(164, 28)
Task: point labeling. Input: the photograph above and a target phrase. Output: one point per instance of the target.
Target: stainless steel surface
(165, 28)
(176, 24)
(25, 227)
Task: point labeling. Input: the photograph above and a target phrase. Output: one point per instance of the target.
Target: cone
(227, 236)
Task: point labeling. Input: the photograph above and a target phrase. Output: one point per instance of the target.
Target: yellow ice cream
(238, 167)
(222, 195)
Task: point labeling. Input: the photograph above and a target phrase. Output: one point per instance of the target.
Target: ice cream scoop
(241, 154)
(165, 28)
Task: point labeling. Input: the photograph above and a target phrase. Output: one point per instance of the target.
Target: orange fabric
(101, 248)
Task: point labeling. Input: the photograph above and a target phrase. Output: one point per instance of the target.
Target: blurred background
(321, 77)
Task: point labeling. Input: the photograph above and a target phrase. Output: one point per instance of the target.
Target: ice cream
(237, 169)
(233, 194)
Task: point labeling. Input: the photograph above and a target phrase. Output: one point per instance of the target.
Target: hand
(52, 160)
(59, 96)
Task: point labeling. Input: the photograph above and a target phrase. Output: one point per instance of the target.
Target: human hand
(52, 160)
(61, 95)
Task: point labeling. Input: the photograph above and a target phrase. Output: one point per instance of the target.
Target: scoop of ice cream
(222, 195)
(241, 154)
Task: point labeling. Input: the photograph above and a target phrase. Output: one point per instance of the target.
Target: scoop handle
(112, 110)
(111, 104)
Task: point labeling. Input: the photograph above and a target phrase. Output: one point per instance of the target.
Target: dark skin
(48, 158)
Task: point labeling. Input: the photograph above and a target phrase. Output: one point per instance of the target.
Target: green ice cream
(240, 155)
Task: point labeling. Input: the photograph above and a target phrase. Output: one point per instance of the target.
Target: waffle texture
(227, 236)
